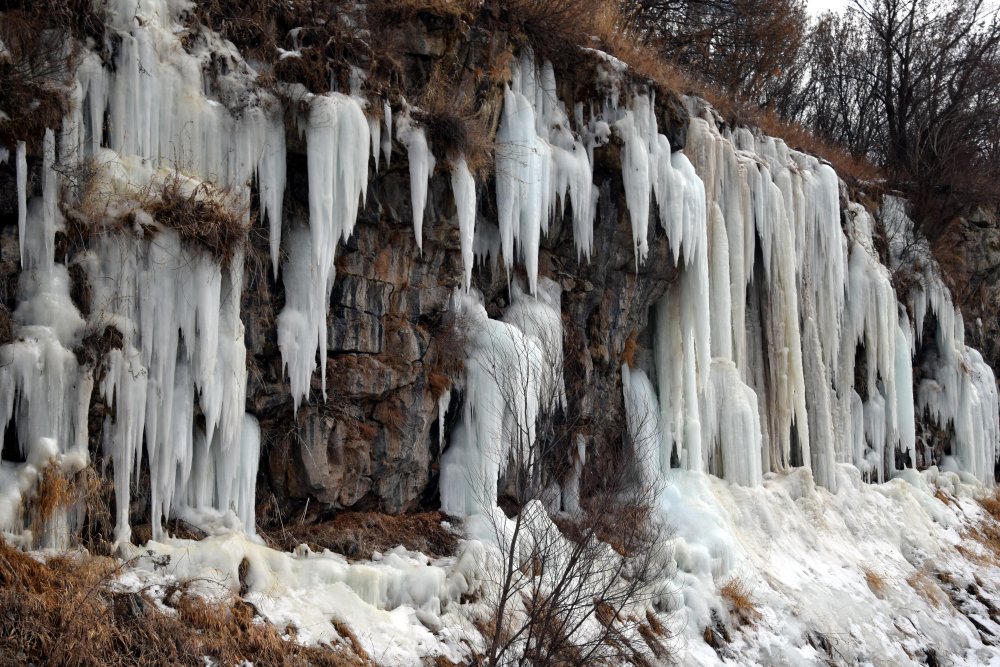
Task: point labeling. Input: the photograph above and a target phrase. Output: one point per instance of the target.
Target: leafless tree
(573, 581)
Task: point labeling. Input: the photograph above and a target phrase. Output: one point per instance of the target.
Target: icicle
(509, 379)
(463, 186)
(421, 167)
(22, 194)
(337, 141)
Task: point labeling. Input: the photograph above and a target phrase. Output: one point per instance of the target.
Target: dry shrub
(360, 534)
(922, 582)
(205, 216)
(454, 127)
(876, 580)
(54, 493)
(63, 612)
(553, 28)
(33, 70)
(736, 593)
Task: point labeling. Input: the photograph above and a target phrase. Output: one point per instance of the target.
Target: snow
(396, 605)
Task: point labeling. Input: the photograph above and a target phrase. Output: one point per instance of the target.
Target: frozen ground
(889, 574)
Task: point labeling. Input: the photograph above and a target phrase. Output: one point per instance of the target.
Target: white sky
(817, 7)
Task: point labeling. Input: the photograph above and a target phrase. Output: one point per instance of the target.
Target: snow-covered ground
(886, 574)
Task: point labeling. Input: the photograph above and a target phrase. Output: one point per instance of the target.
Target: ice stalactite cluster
(792, 300)
(137, 123)
(781, 295)
(337, 143)
(513, 374)
(540, 165)
(43, 389)
(957, 387)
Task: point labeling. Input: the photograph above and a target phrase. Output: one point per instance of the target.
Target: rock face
(374, 442)
(395, 348)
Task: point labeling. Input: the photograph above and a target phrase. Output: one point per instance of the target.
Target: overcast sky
(817, 7)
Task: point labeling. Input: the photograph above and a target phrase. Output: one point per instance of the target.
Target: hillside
(441, 333)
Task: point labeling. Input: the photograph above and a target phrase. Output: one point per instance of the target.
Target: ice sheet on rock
(392, 605)
(513, 372)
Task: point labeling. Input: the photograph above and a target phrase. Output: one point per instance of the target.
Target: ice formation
(513, 374)
(780, 345)
(540, 162)
(337, 143)
(421, 161)
(160, 127)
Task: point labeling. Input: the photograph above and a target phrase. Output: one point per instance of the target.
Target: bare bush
(578, 560)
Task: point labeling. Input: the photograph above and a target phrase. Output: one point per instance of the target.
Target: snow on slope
(802, 552)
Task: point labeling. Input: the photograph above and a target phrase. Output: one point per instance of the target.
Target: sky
(817, 7)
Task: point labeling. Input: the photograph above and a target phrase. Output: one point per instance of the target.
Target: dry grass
(352, 639)
(876, 580)
(923, 583)
(55, 492)
(631, 348)
(736, 592)
(454, 126)
(360, 534)
(204, 216)
(63, 612)
(991, 504)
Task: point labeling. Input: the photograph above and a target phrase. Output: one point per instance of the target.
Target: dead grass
(736, 592)
(62, 612)
(876, 580)
(359, 534)
(352, 639)
(54, 493)
(631, 347)
(923, 583)
(991, 504)
(204, 216)
(454, 126)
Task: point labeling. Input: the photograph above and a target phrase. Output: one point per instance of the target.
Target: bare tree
(579, 559)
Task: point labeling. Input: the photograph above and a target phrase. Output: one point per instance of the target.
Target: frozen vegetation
(774, 467)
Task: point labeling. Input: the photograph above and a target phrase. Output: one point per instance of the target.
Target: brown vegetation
(203, 216)
(63, 612)
(737, 594)
(360, 534)
(923, 583)
(876, 580)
